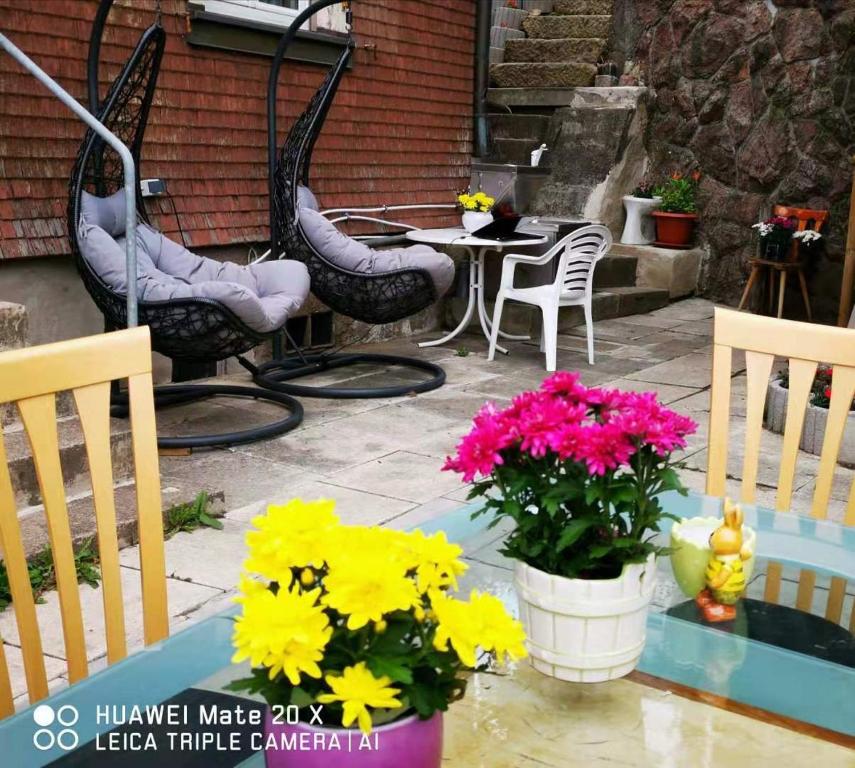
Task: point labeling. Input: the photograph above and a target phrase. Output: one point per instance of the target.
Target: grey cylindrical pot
(813, 433)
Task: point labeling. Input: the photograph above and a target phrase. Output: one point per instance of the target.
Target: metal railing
(127, 162)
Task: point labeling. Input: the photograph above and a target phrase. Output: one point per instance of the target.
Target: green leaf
(396, 669)
(571, 534)
(211, 522)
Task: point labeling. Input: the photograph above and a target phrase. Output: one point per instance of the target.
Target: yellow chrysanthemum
(367, 588)
(357, 689)
(481, 623)
(436, 561)
(499, 632)
(286, 632)
(293, 535)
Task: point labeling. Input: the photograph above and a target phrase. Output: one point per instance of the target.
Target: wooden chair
(805, 218)
(31, 378)
(806, 346)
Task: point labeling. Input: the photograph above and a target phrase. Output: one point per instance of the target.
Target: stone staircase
(75, 467)
(561, 49)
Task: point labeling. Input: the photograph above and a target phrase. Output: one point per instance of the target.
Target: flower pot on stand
(585, 631)
(475, 220)
(640, 228)
(419, 740)
(675, 230)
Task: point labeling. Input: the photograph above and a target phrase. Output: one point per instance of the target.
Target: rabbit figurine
(725, 576)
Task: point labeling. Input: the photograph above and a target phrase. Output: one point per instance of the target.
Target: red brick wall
(400, 130)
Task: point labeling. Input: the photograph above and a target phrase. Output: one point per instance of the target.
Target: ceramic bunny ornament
(725, 575)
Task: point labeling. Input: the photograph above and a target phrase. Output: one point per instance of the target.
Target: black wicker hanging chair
(189, 331)
(375, 298)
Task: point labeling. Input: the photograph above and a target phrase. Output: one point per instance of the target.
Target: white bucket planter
(813, 434)
(585, 631)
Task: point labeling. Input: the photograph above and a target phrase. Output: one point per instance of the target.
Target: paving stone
(693, 370)
(543, 75)
(54, 668)
(587, 50)
(402, 475)
(668, 393)
(424, 513)
(183, 597)
(556, 27)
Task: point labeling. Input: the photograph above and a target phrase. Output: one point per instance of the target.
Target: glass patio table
(776, 664)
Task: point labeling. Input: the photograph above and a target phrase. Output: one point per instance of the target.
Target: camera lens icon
(63, 736)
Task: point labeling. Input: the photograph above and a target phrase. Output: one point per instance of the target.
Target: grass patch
(43, 574)
(461, 351)
(190, 516)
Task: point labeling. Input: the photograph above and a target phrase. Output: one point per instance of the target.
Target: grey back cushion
(105, 212)
(356, 256)
(306, 198)
(262, 295)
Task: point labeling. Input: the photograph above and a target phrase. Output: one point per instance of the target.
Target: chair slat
(836, 596)
(38, 415)
(719, 421)
(850, 506)
(20, 588)
(93, 407)
(772, 592)
(804, 595)
(838, 412)
(802, 373)
(7, 706)
(758, 370)
(149, 510)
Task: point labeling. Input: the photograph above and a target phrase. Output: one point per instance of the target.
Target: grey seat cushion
(356, 256)
(262, 295)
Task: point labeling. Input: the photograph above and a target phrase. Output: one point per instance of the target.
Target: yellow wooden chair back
(805, 346)
(31, 378)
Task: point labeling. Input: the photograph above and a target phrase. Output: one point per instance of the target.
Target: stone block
(666, 269)
(583, 7)
(555, 27)
(542, 50)
(13, 325)
(511, 126)
(615, 271)
(543, 75)
(637, 300)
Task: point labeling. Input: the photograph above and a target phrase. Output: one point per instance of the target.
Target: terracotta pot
(674, 230)
(306, 746)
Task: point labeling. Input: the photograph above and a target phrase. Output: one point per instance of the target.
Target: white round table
(477, 250)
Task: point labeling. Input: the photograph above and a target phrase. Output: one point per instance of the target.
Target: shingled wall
(400, 130)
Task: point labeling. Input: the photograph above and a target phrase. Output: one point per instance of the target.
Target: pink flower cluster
(602, 428)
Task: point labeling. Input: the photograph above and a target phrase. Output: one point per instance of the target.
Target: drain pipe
(482, 76)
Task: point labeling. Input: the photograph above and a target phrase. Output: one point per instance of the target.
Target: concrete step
(543, 75)
(541, 50)
(583, 7)
(612, 303)
(515, 151)
(615, 272)
(72, 454)
(13, 326)
(560, 27)
(675, 271)
(543, 99)
(81, 515)
(504, 125)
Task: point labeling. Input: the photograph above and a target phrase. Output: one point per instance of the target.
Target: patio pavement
(381, 459)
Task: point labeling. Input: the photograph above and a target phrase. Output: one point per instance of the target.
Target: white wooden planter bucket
(585, 631)
(813, 434)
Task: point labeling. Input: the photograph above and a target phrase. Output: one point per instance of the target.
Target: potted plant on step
(677, 214)
(355, 639)
(640, 228)
(579, 472)
(476, 210)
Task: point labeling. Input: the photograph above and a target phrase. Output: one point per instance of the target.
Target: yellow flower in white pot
(476, 210)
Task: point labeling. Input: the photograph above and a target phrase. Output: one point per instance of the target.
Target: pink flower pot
(412, 742)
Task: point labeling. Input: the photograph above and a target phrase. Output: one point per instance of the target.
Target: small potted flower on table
(356, 640)
(476, 210)
(579, 471)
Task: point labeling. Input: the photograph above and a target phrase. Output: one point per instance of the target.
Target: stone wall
(758, 95)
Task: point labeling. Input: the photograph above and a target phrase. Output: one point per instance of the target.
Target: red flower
(827, 392)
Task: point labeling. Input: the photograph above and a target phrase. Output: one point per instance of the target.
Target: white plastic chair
(573, 286)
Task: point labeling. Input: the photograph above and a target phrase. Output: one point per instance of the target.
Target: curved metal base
(278, 375)
(181, 394)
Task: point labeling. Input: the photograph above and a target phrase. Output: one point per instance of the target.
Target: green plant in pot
(678, 212)
(579, 471)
